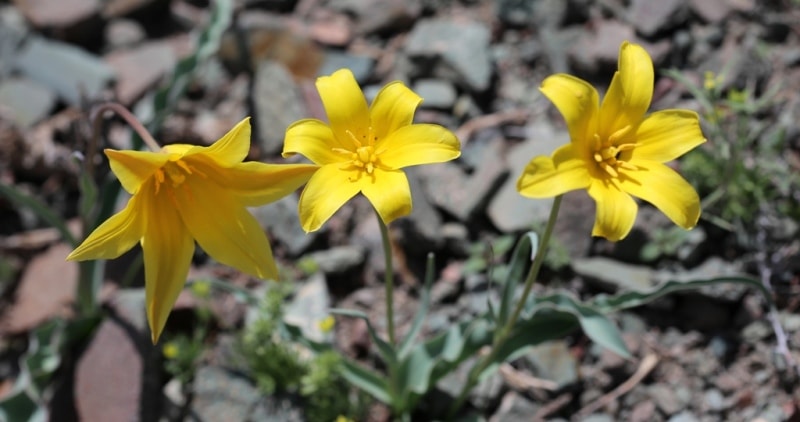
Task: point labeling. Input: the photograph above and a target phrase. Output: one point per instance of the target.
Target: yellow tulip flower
(616, 150)
(364, 149)
(185, 193)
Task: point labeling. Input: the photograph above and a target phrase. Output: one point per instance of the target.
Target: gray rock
(360, 65)
(277, 104)
(651, 17)
(711, 268)
(756, 332)
(76, 74)
(614, 275)
(485, 393)
(711, 11)
(666, 399)
(515, 407)
(435, 93)
(24, 101)
(278, 407)
(459, 49)
(553, 361)
(60, 15)
(309, 307)
(280, 219)
(421, 229)
(124, 33)
(509, 211)
(220, 395)
(714, 400)
(339, 260)
(380, 16)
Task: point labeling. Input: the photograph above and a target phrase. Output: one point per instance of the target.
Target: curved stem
(132, 121)
(388, 278)
(506, 329)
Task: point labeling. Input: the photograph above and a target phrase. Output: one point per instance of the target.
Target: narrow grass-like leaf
(422, 311)
(520, 263)
(366, 380)
(42, 210)
(631, 299)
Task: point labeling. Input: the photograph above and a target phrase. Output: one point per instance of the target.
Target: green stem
(388, 278)
(504, 331)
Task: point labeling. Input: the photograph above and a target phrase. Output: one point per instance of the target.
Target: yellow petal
(578, 102)
(167, 247)
(393, 108)
(418, 144)
(667, 190)
(133, 168)
(666, 135)
(630, 92)
(616, 211)
(224, 229)
(115, 236)
(546, 177)
(389, 193)
(314, 140)
(329, 188)
(254, 183)
(229, 150)
(345, 106)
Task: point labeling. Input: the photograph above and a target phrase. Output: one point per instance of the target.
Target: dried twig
(648, 363)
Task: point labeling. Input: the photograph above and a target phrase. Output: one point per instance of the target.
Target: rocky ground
(716, 354)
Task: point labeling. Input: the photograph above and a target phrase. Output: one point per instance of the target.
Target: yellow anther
(618, 134)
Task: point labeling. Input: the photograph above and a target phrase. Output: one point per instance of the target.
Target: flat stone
(46, 290)
(598, 48)
(25, 101)
(436, 93)
(553, 361)
(78, 74)
(59, 13)
(221, 395)
(711, 11)
(111, 372)
(278, 104)
(309, 307)
(140, 69)
(281, 220)
(120, 8)
(515, 407)
(361, 65)
(666, 399)
(380, 16)
(461, 46)
(651, 17)
(614, 275)
(123, 33)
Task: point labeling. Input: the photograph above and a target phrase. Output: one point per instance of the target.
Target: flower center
(174, 171)
(608, 153)
(365, 157)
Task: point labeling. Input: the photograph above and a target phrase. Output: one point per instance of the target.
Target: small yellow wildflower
(201, 289)
(710, 81)
(185, 193)
(171, 350)
(364, 149)
(616, 150)
(326, 324)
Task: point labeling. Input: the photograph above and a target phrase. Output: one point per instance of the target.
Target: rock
(508, 210)
(435, 93)
(278, 104)
(111, 373)
(278, 407)
(421, 229)
(280, 219)
(553, 361)
(59, 14)
(380, 16)
(483, 395)
(460, 50)
(613, 275)
(138, 8)
(361, 65)
(643, 412)
(464, 196)
(711, 11)
(310, 306)
(598, 48)
(78, 75)
(124, 33)
(514, 407)
(46, 273)
(685, 416)
(651, 17)
(666, 399)
(711, 268)
(24, 101)
(140, 69)
(714, 400)
(220, 395)
(341, 263)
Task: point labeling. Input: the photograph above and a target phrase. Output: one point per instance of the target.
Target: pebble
(25, 101)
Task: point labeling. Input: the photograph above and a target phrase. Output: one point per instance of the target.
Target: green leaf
(518, 267)
(40, 209)
(387, 351)
(422, 311)
(630, 299)
(374, 384)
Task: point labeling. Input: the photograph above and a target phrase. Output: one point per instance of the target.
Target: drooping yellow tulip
(364, 149)
(616, 150)
(184, 193)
